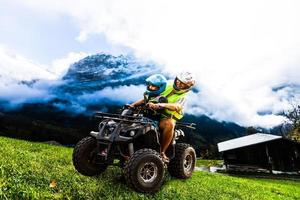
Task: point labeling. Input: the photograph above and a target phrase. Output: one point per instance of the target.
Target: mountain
(98, 82)
(96, 72)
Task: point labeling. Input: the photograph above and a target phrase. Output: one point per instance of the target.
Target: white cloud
(14, 68)
(15, 95)
(121, 94)
(238, 49)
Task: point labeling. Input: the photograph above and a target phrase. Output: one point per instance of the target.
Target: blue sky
(239, 50)
(44, 38)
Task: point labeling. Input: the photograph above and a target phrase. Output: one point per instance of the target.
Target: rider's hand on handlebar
(129, 106)
(153, 106)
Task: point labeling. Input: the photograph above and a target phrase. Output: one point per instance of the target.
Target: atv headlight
(132, 133)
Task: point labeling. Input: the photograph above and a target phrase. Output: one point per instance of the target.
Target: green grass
(27, 169)
(208, 163)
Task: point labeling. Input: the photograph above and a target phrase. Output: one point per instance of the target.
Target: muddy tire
(84, 158)
(145, 171)
(183, 164)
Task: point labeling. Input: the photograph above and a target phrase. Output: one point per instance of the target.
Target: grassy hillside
(39, 171)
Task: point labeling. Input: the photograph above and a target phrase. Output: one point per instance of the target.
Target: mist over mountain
(98, 82)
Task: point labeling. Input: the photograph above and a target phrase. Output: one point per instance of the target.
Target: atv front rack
(123, 118)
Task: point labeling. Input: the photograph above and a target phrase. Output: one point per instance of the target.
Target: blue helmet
(156, 84)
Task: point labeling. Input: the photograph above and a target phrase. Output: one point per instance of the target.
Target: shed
(261, 151)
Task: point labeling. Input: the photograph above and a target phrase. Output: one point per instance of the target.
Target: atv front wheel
(183, 164)
(84, 156)
(145, 171)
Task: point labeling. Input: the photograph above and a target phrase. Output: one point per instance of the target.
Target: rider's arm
(137, 103)
(171, 106)
(176, 106)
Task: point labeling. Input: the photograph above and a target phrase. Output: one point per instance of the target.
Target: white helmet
(186, 78)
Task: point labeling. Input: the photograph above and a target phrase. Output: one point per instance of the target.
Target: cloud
(14, 67)
(119, 95)
(239, 50)
(14, 95)
(102, 99)
(72, 108)
(25, 81)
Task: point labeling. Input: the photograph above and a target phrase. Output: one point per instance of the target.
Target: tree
(251, 130)
(293, 118)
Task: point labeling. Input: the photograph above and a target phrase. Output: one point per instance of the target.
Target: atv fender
(120, 138)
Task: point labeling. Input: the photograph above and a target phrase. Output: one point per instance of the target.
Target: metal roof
(246, 141)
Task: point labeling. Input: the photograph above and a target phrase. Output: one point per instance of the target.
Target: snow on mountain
(60, 66)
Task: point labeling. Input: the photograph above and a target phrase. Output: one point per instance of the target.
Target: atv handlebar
(186, 125)
(136, 108)
(110, 115)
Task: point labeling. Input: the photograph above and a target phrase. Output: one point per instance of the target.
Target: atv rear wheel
(84, 155)
(183, 164)
(145, 171)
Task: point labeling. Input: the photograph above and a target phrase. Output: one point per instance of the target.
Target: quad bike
(134, 140)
